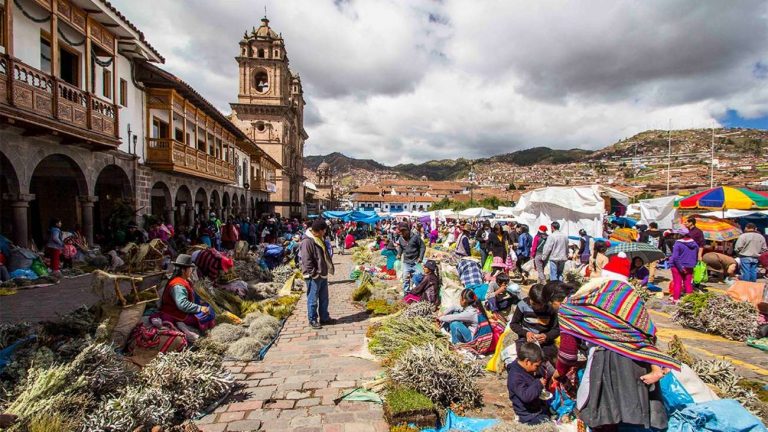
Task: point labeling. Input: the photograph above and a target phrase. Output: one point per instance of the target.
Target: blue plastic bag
(673, 394)
(562, 404)
(454, 422)
(23, 274)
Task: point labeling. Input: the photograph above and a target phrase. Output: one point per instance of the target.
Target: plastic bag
(494, 363)
(398, 265)
(39, 268)
(673, 394)
(561, 403)
(454, 422)
(487, 267)
(700, 273)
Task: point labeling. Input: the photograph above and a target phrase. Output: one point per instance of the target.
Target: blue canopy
(624, 221)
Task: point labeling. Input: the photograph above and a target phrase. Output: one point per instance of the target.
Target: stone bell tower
(270, 110)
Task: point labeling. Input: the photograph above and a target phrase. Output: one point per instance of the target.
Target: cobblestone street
(294, 388)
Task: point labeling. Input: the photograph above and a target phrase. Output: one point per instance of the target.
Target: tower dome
(323, 166)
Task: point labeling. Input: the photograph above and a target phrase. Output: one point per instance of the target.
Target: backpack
(540, 245)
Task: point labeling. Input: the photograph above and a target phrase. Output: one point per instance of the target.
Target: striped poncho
(613, 316)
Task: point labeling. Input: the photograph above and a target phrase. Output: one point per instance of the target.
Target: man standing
(410, 250)
(749, 246)
(556, 252)
(462, 242)
(316, 265)
(653, 237)
(482, 237)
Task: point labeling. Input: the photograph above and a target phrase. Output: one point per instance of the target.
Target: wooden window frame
(123, 92)
(159, 128)
(107, 83)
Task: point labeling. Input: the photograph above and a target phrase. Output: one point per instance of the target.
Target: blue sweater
(524, 391)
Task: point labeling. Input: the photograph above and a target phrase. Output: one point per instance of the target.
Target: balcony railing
(54, 103)
(171, 155)
(258, 184)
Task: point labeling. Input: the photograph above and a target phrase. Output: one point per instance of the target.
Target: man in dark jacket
(410, 250)
(316, 265)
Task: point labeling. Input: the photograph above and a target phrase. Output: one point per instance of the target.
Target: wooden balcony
(258, 185)
(43, 102)
(170, 155)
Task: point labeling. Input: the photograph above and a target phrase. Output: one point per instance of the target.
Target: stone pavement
(294, 388)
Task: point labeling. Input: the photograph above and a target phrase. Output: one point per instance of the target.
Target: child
(535, 320)
(524, 386)
(501, 294)
(462, 321)
(428, 289)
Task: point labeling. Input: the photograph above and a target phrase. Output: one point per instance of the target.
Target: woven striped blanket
(613, 316)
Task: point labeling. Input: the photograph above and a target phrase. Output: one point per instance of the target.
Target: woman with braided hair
(469, 324)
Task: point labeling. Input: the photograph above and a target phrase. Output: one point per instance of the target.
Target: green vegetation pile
(397, 334)
(574, 277)
(282, 273)
(280, 307)
(403, 405)
(251, 271)
(717, 314)
(380, 307)
(440, 374)
(362, 255)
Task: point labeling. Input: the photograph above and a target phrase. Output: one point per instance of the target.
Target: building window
(124, 93)
(107, 84)
(69, 66)
(45, 56)
(179, 135)
(261, 82)
(260, 53)
(159, 128)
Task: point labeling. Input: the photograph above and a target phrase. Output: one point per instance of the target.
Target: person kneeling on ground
(639, 272)
(502, 294)
(428, 289)
(535, 320)
(525, 385)
(180, 305)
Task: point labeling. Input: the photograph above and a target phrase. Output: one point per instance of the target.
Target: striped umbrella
(645, 251)
(725, 197)
(715, 229)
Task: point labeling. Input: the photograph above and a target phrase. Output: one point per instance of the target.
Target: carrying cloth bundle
(613, 316)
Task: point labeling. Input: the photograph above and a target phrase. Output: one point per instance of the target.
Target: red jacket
(168, 303)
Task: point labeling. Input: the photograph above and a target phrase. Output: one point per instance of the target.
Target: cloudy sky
(412, 80)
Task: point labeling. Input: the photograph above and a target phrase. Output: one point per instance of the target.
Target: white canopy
(442, 214)
(633, 209)
(477, 212)
(660, 210)
(574, 208)
(734, 213)
(402, 214)
(504, 211)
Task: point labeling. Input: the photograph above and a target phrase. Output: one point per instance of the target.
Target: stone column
(206, 211)
(170, 215)
(86, 207)
(20, 208)
(182, 214)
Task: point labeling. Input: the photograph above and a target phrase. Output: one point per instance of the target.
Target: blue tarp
(454, 422)
(724, 415)
(369, 217)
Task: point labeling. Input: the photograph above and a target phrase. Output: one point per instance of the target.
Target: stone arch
(226, 205)
(9, 188)
(161, 199)
(184, 206)
(215, 204)
(243, 203)
(57, 183)
(201, 202)
(114, 192)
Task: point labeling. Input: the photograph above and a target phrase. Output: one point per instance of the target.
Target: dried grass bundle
(261, 324)
(397, 334)
(227, 333)
(519, 427)
(420, 309)
(245, 349)
(717, 314)
(440, 374)
(281, 274)
(136, 406)
(211, 346)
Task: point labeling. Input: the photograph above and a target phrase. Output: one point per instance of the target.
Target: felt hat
(184, 260)
(618, 264)
(543, 228)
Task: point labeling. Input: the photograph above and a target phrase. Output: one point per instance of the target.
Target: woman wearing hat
(462, 241)
(179, 304)
(429, 288)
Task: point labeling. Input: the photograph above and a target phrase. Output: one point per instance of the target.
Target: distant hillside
(540, 155)
(341, 163)
(447, 169)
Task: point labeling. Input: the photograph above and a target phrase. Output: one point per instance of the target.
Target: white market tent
(476, 212)
(504, 211)
(574, 207)
(660, 210)
(442, 214)
(633, 209)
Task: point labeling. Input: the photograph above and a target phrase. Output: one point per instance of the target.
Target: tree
(512, 187)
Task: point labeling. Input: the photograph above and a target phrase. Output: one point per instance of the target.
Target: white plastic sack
(450, 294)
(699, 391)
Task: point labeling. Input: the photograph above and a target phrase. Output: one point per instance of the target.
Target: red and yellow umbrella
(715, 229)
(725, 197)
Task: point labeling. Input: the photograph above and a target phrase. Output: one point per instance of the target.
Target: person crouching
(525, 385)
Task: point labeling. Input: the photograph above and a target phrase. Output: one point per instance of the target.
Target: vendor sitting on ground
(179, 304)
(535, 320)
(502, 294)
(639, 272)
(462, 321)
(391, 253)
(428, 289)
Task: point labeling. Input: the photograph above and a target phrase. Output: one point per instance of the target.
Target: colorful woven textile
(613, 316)
(482, 343)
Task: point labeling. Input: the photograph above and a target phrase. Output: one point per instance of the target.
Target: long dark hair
(470, 296)
(600, 247)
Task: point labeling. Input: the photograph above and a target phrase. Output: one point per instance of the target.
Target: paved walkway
(294, 387)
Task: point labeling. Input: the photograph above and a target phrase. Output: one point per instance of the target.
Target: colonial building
(270, 110)
(88, 121)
